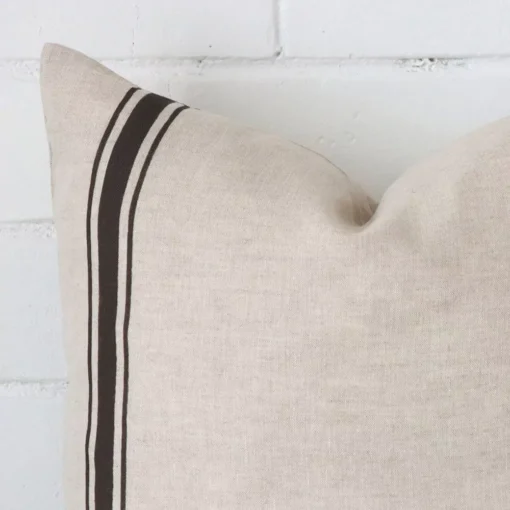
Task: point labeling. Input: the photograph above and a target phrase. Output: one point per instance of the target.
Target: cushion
(246, 330)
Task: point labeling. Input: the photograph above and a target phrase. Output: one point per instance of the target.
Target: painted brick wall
(372, 85)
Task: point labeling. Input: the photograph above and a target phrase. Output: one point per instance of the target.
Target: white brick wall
(395, 28)
(372, 85)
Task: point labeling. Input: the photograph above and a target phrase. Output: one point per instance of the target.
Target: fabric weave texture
(246, 330)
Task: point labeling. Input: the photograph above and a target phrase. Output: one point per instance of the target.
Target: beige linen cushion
(244, 332)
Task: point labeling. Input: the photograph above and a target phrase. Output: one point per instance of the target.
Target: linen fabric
(246, 331)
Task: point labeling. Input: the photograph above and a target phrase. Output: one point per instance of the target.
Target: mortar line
(283, 60)
(35, 221)
(33, 388)
(40, 228)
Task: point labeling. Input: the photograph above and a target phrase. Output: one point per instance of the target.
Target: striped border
(133, 135)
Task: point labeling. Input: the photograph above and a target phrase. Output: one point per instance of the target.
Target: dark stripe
(129, 264)
(116, 178)
(95, 166)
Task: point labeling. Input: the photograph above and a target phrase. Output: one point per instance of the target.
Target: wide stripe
(135, 171)
(121, 121)
(129, 264)
(115, 181)
(95, 166)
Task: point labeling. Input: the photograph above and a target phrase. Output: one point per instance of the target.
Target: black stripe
(129, 264)
(95, 166)
(116, 178)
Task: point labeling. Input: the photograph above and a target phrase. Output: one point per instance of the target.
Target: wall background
(372, 85)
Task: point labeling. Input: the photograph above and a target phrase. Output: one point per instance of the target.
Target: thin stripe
(129, 264)
(95, 167)
(115, 181)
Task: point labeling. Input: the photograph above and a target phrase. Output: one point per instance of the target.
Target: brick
(395, 28)
(118, 29)
(31, 451)
(30, 318)
(102, 29)
(204, 28)
(24, 162)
